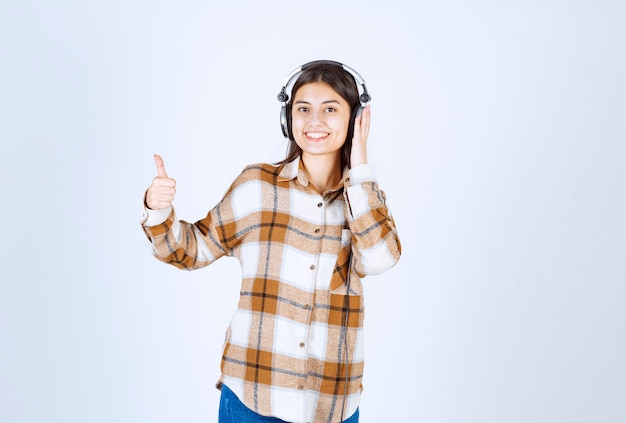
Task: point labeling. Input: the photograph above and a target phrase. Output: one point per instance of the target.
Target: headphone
(283, 97)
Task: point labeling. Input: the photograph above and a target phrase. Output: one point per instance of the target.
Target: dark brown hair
(343, 84)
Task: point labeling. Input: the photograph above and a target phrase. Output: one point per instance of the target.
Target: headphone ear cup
(284, 121)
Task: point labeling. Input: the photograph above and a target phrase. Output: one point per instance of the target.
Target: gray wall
(498, 134)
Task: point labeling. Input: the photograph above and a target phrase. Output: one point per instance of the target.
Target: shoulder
(256, 175)
(265, 172)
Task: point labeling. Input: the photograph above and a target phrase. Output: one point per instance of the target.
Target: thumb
(158, 161)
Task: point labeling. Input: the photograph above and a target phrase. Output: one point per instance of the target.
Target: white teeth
(317, 134)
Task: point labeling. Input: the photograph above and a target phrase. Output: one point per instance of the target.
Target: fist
(162, 189)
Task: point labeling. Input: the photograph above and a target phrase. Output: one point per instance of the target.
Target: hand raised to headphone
(162, 189)
(359, 140)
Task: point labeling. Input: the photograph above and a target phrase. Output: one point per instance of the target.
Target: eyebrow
(323, 102)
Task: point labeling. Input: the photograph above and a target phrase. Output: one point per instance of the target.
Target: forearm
(376, 244)
(175, 242)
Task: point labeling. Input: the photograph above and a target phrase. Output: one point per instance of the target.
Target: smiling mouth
(316, 136)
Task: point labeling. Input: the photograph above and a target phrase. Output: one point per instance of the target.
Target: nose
(316, 117)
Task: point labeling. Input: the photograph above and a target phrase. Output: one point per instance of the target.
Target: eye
(303, 109)
(330, 109)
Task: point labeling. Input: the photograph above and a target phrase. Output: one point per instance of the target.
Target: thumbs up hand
(162, 189)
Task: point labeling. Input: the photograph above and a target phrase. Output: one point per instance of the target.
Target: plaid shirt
(298, 325)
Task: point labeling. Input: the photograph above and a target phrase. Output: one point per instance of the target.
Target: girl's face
(319, 120)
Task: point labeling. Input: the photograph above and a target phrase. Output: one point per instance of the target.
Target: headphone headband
(283, 97)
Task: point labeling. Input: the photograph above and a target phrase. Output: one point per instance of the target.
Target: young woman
(305, 231)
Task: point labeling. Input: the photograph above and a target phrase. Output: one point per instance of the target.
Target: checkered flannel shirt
(285, 351)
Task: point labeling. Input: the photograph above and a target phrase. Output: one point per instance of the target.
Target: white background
(498, 136)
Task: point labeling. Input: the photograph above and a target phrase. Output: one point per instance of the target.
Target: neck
(323, 172)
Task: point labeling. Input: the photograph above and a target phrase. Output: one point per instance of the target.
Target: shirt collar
(293, 170)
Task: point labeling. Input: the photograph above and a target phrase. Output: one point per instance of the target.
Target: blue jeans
(234, 411)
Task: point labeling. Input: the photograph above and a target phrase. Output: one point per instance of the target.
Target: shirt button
(301, 344)
(320, 204)
(312, 267)
(301, 387)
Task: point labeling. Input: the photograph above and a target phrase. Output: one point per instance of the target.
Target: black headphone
(283, 97)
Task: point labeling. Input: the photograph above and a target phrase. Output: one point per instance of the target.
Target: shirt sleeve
(193, 245)
(376, 246)
(155, 217)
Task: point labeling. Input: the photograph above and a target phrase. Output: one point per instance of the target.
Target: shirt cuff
(362, 173)
(155, 217)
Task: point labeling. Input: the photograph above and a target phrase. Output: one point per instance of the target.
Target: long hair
(343, 84)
